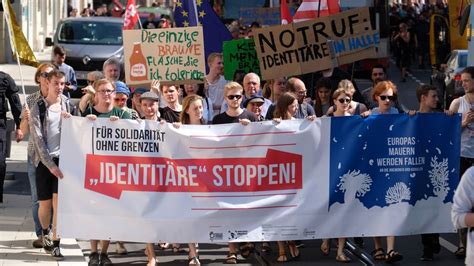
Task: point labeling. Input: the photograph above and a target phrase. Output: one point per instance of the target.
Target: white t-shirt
(216, 91)
(463, 202)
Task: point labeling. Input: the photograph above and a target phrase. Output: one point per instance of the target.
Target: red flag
(310, 9)
(131, 16)
(285, 13)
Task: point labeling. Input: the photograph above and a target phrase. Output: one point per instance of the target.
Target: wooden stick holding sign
(174, 55)
(305, 47)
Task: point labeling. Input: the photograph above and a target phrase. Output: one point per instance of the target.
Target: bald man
(251, 86)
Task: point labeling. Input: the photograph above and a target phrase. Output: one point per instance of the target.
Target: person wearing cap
(136, 105)
(254, 104)
(149, 102)
(122, 92)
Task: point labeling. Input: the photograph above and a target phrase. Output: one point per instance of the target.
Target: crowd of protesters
(244, 100)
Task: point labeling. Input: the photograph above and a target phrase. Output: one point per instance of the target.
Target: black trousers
(3, 148)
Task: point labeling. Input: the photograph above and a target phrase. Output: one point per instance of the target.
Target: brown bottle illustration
(138, 67)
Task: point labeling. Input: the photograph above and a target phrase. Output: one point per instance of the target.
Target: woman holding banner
(342, 100)
(385, 94)
(286, 109)
(192, 114)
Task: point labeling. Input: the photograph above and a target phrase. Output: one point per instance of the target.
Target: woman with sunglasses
(355, 108)
(385, 94)
(342, 101)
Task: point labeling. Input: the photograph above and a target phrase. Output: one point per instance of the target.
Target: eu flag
(199, 12)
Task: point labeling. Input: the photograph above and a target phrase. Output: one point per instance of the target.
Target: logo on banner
(214, 236)
(236, 234)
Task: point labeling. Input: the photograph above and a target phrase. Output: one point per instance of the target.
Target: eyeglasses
(234, 97)
(90, 82)
(385, 97)
(44, 75)
(120, 100)
(301, 92)
(106, 91)
(344, 100)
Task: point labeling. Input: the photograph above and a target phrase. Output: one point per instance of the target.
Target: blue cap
(140, 90)
(121, 87)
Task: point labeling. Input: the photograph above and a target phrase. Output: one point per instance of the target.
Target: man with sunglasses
(8, 90)
(233, 95)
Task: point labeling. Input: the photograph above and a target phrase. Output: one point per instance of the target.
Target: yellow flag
(17, 39)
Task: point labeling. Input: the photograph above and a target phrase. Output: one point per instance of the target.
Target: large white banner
(147, 182)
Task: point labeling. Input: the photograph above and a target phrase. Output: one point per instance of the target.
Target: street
(214, 254)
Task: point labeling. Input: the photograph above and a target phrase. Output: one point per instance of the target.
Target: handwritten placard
(240, 56)
(314, 45)
(173, 55)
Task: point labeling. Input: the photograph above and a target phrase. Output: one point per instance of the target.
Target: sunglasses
(44, 75)
(120, 99)
(344, 100)
(234, 97)
(385, 97)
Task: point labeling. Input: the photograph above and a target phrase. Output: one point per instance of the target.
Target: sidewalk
(16, 221)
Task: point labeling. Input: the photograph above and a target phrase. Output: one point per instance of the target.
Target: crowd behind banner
(244, 100)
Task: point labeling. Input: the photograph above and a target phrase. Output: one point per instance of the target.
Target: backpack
(42, 109)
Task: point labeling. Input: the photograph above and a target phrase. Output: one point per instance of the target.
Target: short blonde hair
(101, 82)
(213, 56)
(232, 85)
(348, 86)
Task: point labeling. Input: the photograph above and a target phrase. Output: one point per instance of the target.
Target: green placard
(240, 56)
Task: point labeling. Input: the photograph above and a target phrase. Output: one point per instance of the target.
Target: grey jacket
(39, 133)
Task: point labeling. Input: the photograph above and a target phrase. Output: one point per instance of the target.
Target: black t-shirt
(169, 115)
(224, 118)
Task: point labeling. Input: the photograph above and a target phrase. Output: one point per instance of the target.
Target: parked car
(89, 41)
(448, 77)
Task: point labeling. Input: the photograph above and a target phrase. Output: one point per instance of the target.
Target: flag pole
(319, 9)
(21, 74)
